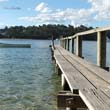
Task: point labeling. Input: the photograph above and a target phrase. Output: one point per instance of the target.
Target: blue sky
(37, 12)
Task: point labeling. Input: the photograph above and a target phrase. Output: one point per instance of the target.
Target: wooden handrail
(101, 44)
(88, 32)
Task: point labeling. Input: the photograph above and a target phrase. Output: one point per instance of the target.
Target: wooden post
(101, 49)
(64, 84)
(53, 42)
(79, 46)
(63, 43)
(57, 70)
(72, 45)
(68, 40)
(63, 81)
(66, 44)
(72, 101)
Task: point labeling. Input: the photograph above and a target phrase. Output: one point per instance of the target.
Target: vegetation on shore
(43, 32)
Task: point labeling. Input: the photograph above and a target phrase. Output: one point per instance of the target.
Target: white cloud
(2, 25)
(42, 7)
(12, 8)
(99, 10)
(61, 16)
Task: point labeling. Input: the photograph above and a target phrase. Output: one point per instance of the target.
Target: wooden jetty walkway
(85, 85)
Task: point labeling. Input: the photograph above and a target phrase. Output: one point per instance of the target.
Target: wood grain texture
(92, 82)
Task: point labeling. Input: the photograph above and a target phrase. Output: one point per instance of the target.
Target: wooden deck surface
(92, 82)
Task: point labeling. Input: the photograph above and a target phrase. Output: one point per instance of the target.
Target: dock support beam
(79, 46)
(69, 101)
(57, 70)
(64, 84)
(101, 49)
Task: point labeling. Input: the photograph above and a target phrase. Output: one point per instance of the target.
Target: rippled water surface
(90, 51)
(27, 78)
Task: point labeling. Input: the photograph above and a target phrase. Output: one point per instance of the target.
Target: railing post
(68, 40)
(72, 45)
(65, 43)
(62, 42)
(79, 46)
(101, 49)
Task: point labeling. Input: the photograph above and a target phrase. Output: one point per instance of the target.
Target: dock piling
(101, 49)
(72, 45)
(79, 46)
(87, 84)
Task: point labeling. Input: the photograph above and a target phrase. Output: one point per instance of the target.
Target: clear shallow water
(27, 78)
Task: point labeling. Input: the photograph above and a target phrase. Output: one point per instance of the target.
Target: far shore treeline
(44, 32)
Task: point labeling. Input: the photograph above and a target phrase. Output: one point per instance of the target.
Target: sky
(95, 13)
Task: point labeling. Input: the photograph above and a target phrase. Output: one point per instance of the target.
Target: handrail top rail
(101, 29)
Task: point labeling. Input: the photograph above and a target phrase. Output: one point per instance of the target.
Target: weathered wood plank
(93, 68)
(70, 100)
(95, 79)
(92, 77)
(72, 75)
(99, 100)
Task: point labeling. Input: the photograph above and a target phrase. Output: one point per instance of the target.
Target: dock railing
(101, 44)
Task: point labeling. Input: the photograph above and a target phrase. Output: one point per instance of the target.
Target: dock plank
(93, 88)
(97, 81)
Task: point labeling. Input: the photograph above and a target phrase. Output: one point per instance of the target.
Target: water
(90, 51)
(27, 78)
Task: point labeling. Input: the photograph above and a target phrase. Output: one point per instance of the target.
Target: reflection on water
(27, 78)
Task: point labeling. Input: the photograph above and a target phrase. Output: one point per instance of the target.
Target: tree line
(44, 31)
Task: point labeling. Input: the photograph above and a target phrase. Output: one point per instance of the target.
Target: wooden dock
(85, 85)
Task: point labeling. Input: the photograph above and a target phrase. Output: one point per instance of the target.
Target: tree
(43, 32)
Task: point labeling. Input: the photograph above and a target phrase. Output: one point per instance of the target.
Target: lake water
(27, 77)
(90, 51)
